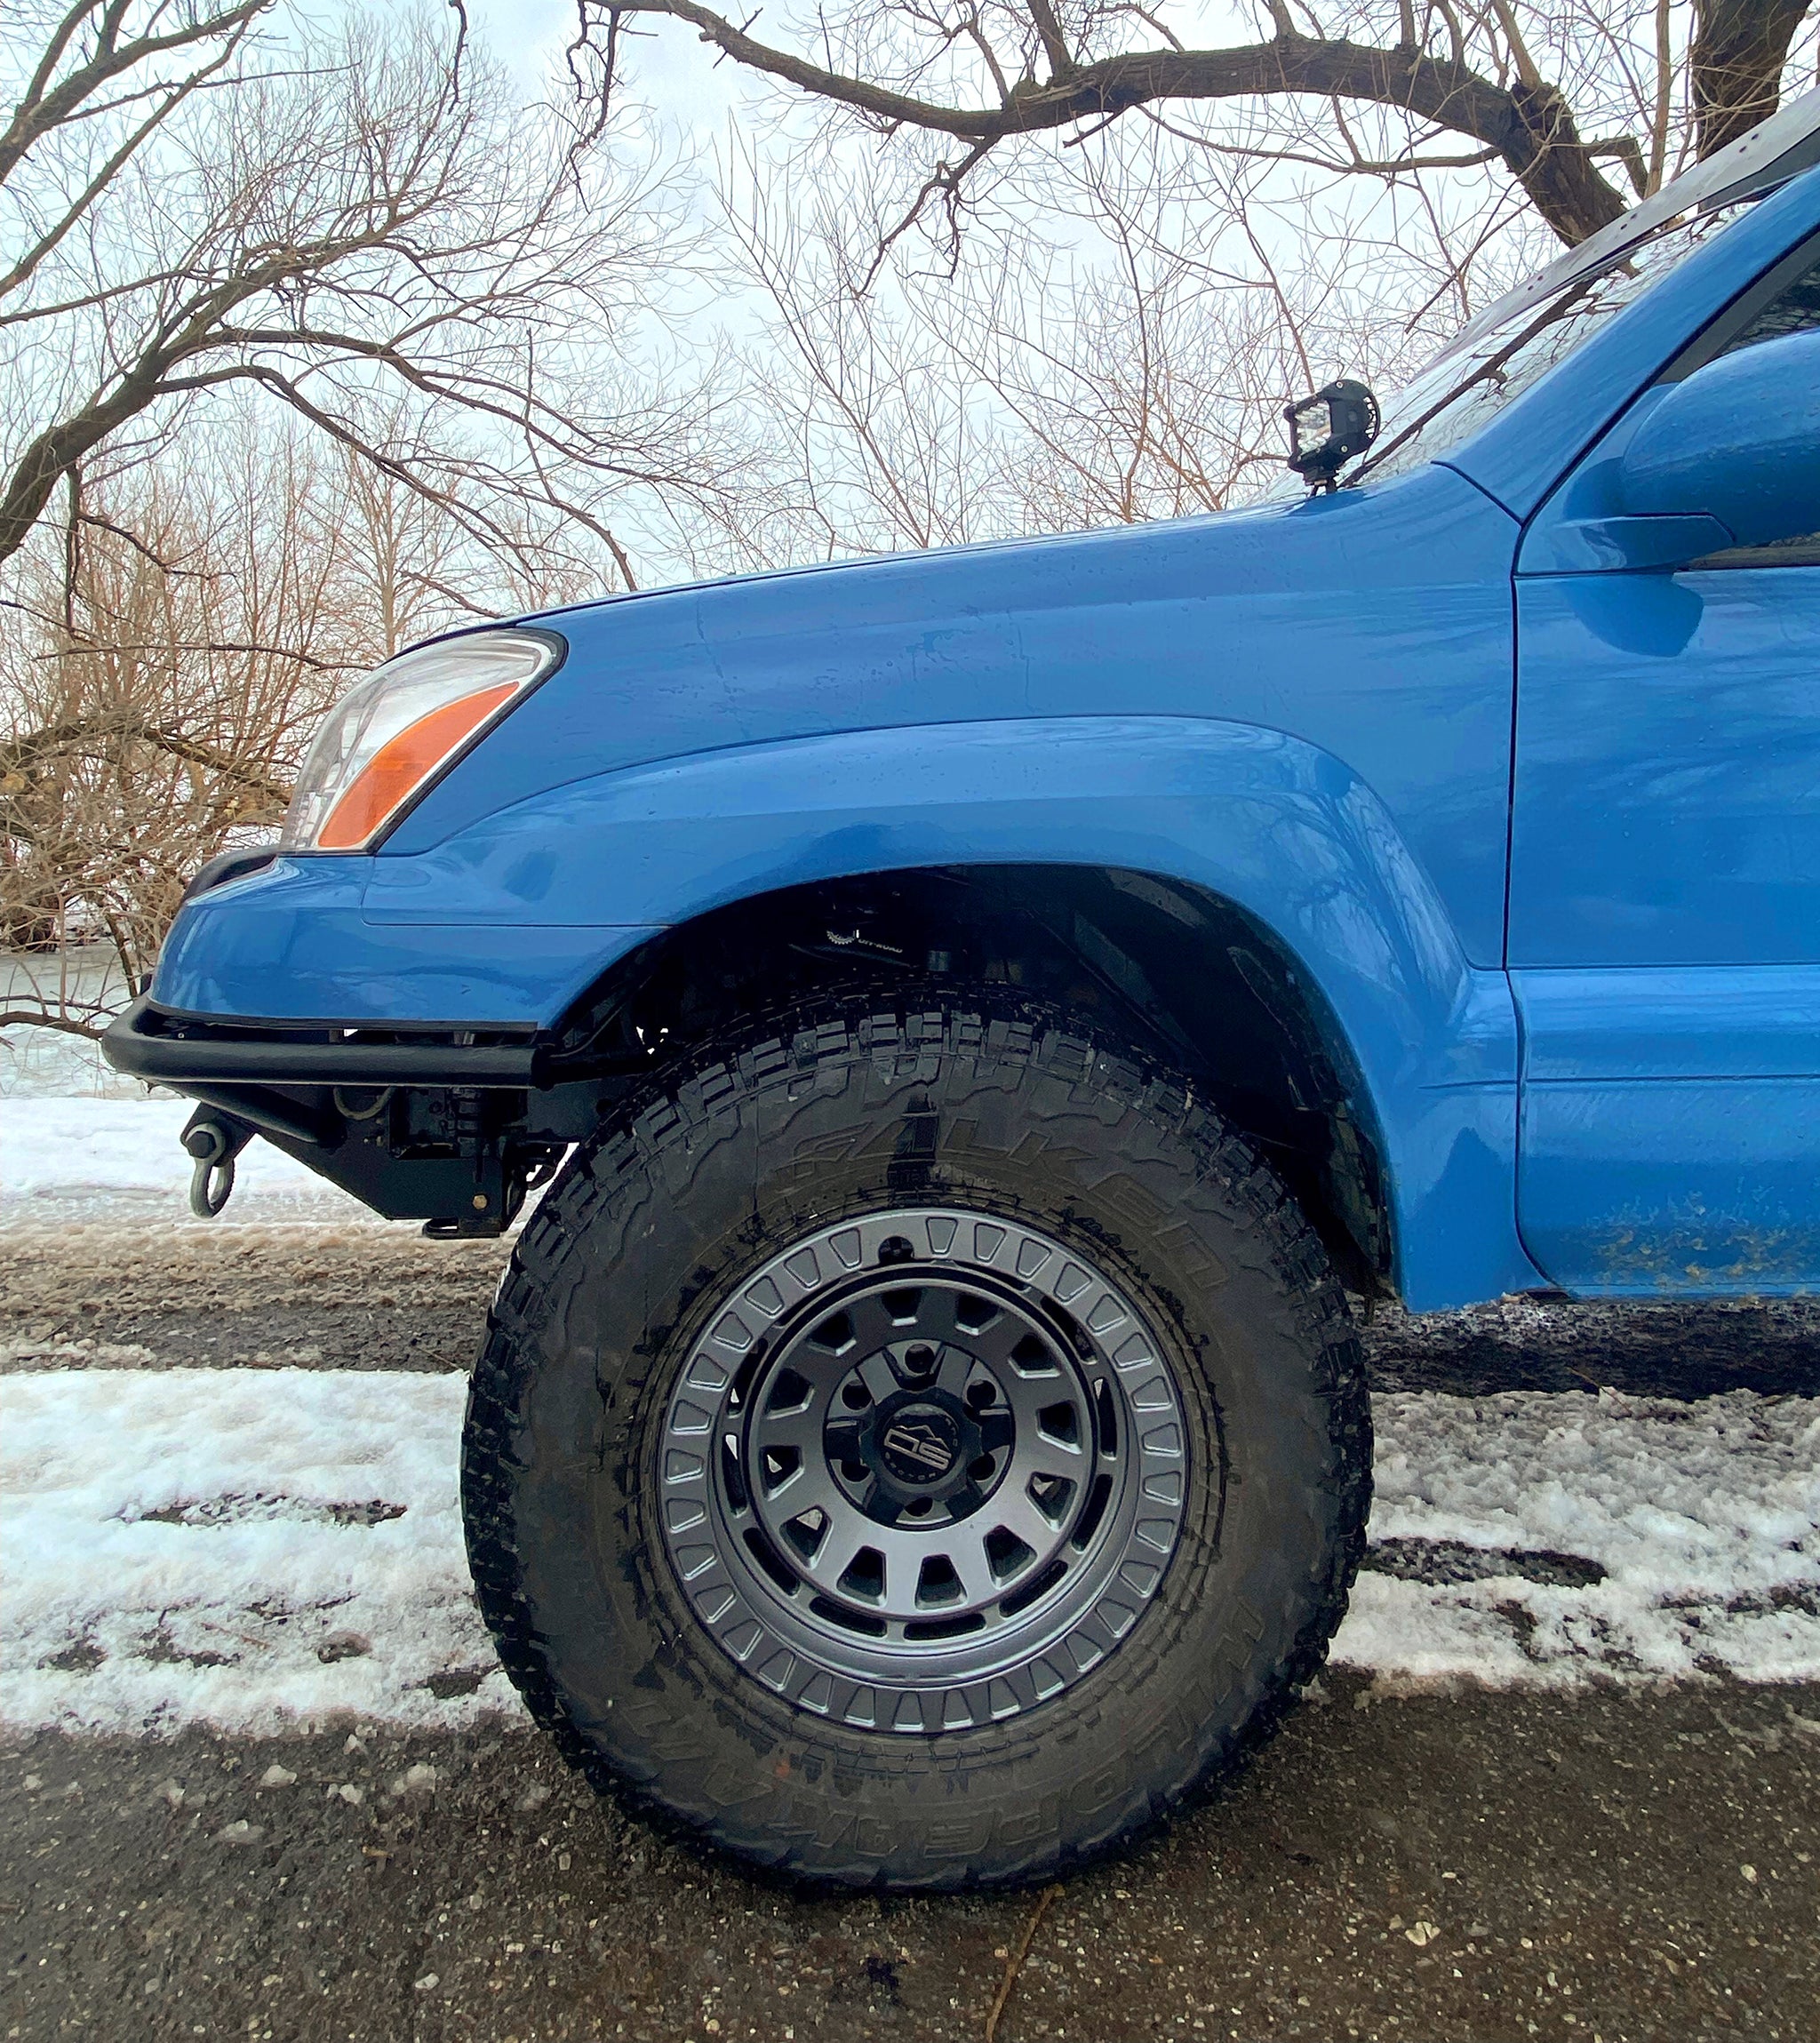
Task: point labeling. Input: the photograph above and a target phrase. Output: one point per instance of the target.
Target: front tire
(916, 1447)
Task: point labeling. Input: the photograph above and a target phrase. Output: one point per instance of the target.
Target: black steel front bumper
(448, 1125)
(165, 1047)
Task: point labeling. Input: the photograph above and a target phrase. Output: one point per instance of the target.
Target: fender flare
(1284, 829)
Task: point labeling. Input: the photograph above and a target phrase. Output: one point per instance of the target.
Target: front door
(1665, 911)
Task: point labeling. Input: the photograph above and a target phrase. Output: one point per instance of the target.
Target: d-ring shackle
(214, 1141)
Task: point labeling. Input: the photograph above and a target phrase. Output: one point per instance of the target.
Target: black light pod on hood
(1328, 429)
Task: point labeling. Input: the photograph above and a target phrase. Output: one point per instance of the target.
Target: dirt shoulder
(195, 1296)
(381, 1297)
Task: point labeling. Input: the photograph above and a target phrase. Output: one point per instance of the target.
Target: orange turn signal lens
(402, 765)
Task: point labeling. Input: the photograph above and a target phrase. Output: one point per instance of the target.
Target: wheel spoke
(1014, 1511)
(997, 1429)
(876, 1374)
(956, 1366)
(815, 1486)
(874, 1327)
(842, 1437)
(935, 1315)
(1030, 1396)
(800, 1429)
(1001, 1338)
(848, 1533)
(967, 1556)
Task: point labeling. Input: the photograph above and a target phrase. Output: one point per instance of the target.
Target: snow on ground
(1702, 1517)
(37, 1062)
(247, 1548)
(79, 1142)
(46, 1063)
(86, 1158)
(255, 1548)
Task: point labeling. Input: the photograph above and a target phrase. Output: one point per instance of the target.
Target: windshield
(1473, 377)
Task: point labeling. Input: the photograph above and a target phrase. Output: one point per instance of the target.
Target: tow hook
(214, 1140)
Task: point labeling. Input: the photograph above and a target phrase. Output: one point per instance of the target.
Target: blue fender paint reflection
(1655, 619)
(290, 944)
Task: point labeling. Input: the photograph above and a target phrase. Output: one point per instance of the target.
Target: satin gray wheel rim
(923, 1471)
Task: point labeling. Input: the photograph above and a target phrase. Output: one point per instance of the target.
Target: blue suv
(981, 1014)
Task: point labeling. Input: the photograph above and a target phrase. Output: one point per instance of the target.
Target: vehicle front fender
(1281, 829)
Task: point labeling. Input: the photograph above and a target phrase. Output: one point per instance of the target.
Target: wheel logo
(920, 1446)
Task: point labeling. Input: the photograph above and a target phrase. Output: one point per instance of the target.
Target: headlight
(393, 734)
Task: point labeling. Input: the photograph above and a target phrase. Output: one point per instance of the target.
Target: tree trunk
(1739, 49)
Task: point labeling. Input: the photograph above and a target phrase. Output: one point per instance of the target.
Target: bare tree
(311, 344)
(362, 228)
(156, 698)
(1113, 380)
(1522, 86)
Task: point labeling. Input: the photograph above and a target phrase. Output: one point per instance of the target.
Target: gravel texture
(378, 1295)
(1663, 1348)
(195, 1294)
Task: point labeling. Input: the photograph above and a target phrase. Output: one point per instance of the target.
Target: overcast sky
(678, 75)
(673, 70)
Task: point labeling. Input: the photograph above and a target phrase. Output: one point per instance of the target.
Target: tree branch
(1528, 123)
(173, 98)
(64, 1024)
(1735, 64)
(45, 106)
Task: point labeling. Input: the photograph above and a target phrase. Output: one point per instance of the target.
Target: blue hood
(1373, 624)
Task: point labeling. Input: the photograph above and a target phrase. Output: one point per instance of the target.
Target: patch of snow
(1703, 1516)
(256, 1549)
(87, 1159)
(45, 1064)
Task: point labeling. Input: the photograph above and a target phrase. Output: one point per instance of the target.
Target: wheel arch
(1187, 972)
(1257, 823)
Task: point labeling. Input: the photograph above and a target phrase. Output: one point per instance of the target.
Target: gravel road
(1613, 1863)
(361, 1297)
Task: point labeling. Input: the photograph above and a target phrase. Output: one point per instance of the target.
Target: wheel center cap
(919, 1444)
